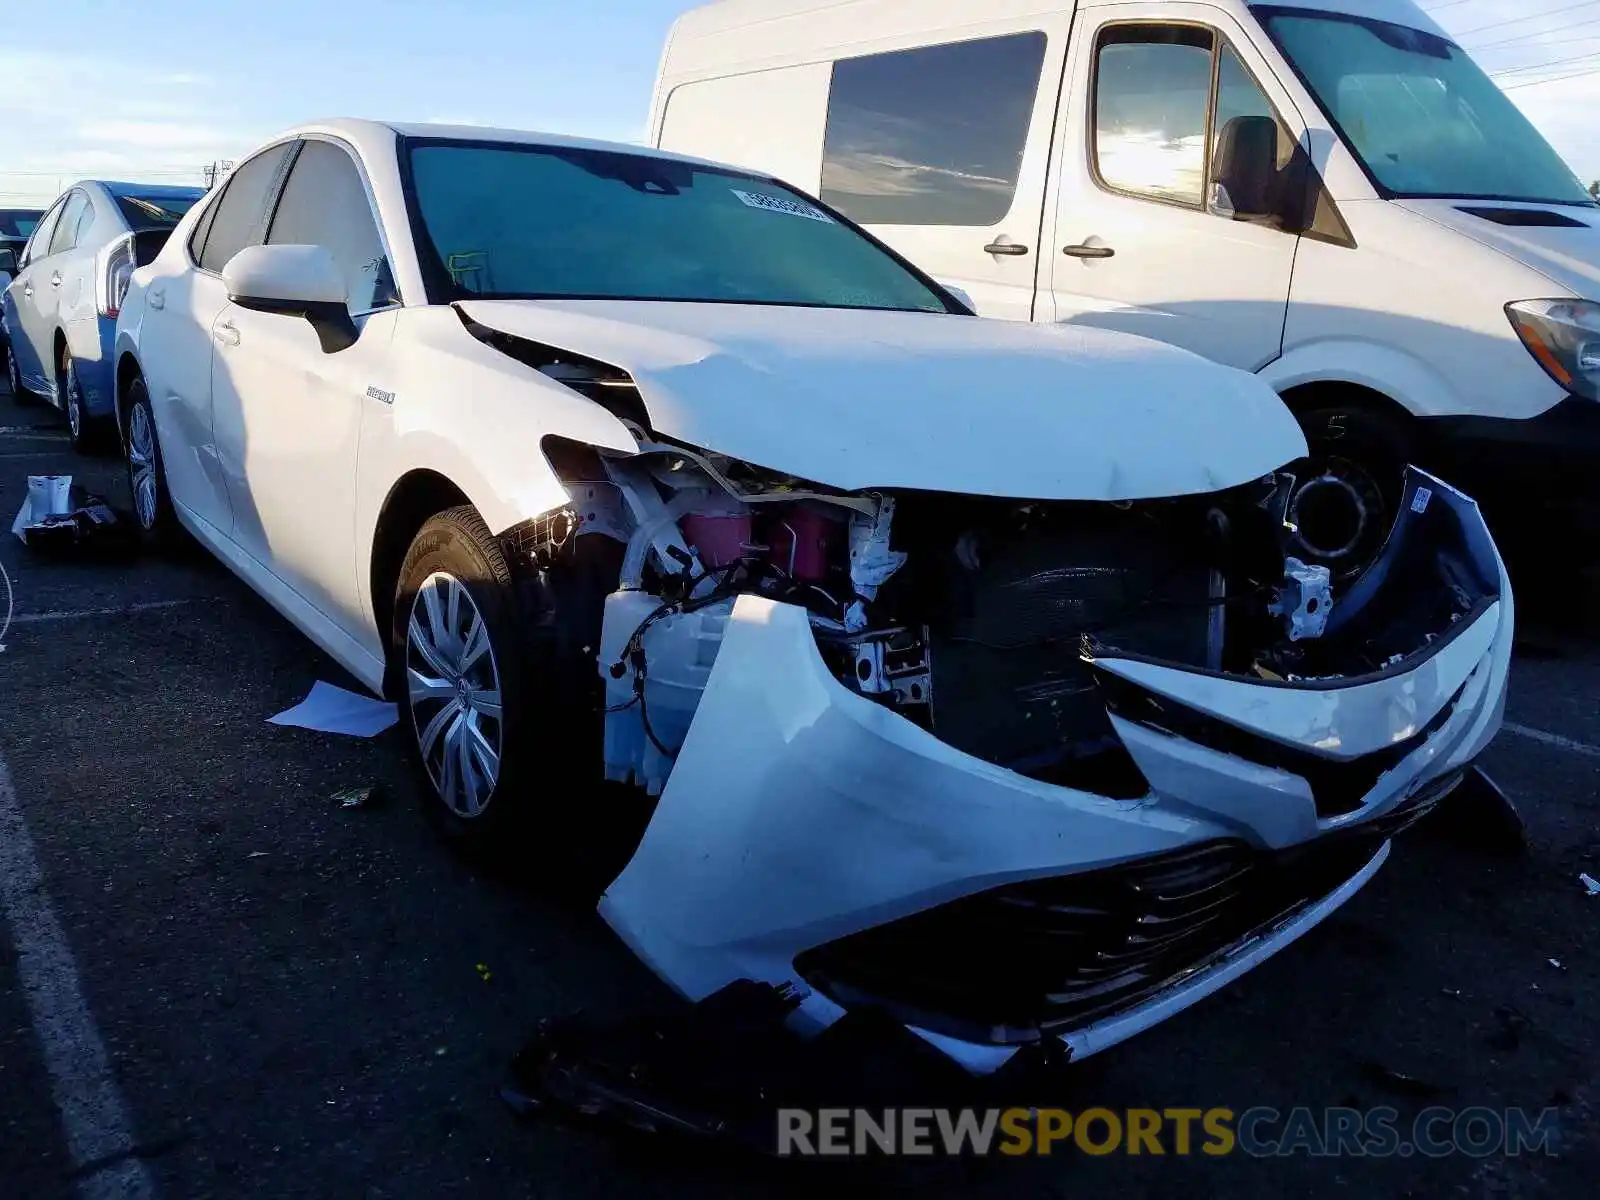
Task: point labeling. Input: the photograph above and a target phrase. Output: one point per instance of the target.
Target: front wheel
(1349, 489)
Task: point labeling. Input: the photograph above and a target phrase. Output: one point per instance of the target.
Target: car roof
(375, 139)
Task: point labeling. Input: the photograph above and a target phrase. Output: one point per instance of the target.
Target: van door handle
(1009, 249)
(55, 280)
(227, 333)
(1089, 251)
(156, 297)
(27, 291)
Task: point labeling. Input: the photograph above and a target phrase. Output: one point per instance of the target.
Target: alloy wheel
(13, 372)
(71, 396)
(142, 465)
(453, 690)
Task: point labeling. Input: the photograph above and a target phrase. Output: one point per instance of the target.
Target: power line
(1545, 66)
(1528, 37)
(1511, 87)
(1554, 12)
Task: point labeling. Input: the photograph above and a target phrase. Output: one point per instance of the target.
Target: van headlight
(1564, 335)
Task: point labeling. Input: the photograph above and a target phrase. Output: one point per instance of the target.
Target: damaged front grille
(1053, 956)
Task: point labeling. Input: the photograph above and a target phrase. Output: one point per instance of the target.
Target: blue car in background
(60, 310)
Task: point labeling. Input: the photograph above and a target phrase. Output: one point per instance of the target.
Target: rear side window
(241, 215)
(931, 136)
(66, 233)
(324, 204)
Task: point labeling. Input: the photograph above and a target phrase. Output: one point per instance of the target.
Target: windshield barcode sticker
(778, 204)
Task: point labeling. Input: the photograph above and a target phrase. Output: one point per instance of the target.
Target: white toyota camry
(974, 665)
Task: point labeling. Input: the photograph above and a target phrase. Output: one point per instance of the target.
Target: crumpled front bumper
(799, 814)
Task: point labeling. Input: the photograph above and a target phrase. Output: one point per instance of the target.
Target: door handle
(227, 333)
(27, 291)
(156, 299)
(1085, 251)
(55, 280)
(1007, 249)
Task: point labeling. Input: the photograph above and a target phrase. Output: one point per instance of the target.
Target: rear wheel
(19, 390)
(147, 479)
(86, 431)
(1349, 488)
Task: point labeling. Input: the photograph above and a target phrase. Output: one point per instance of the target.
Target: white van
(1330, 193)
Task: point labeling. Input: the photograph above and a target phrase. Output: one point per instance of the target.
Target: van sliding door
(942, 151)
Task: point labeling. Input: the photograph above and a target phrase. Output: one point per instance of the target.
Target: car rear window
(18, 224)
(154, 212)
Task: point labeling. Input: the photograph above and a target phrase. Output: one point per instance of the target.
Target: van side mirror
(1248, 184)
(294, 281)
(8, 261)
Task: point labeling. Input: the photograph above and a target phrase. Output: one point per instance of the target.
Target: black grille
(1051, 956)
(1009, 682)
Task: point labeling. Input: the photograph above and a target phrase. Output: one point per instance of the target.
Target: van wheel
(1349, 489)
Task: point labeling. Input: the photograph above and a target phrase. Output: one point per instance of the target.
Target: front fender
(461, 410)
(1403, 377)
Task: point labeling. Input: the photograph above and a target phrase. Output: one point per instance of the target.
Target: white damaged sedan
(970, 663)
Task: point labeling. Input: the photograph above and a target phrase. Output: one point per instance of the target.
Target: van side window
(1179, 118)
(934, 135)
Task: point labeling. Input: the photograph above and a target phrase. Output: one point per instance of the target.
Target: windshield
(544, 222)
(154, 212)
(1420, 114)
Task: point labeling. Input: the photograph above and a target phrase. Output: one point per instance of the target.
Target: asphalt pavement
(249, 990)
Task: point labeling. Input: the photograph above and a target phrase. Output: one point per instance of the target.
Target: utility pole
(214, 171)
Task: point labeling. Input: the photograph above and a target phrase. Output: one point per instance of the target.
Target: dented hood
(865, 399)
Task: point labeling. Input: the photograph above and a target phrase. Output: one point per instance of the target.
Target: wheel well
(413, 499)
(127, 372)
(60, 346)
(1308, 397)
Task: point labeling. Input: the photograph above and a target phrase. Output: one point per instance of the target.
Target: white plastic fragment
(48, 496)
(1591, 883)
(330, 709)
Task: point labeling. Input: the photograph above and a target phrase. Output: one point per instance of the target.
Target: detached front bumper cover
(810, 836)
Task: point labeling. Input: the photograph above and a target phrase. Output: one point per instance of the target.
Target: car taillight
(116, 271)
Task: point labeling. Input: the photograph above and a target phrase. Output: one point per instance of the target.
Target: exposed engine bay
(979, 619)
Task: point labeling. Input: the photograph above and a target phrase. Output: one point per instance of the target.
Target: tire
(147, 473)
(1350, 487)
(87, 433)
(19, 390)
(500, 707)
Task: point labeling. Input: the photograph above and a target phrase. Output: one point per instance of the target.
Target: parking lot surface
(297, 999)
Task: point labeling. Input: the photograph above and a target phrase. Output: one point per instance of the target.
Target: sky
(87, 91)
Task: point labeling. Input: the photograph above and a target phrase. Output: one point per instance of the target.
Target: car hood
(859, 399)
(1567, 254)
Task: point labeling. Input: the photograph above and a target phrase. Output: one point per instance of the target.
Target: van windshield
(1421, 115)
(580, 223)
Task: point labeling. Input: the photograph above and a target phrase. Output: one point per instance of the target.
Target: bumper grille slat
(1056, 955)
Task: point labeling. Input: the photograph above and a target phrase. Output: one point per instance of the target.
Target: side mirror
(1248, 182)
(8, 261)
(294, 281)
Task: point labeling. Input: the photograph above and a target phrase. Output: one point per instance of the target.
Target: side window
(931, 136)
(1179, 118)
(241, 214)
(324, 204)
(202, 227)
(85, 222)
(65, 236)
(39, 244)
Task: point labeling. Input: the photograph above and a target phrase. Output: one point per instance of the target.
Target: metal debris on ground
(365, 797)
(484, 973)
(60, 518)
(720, 1070)
(1591, 883)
